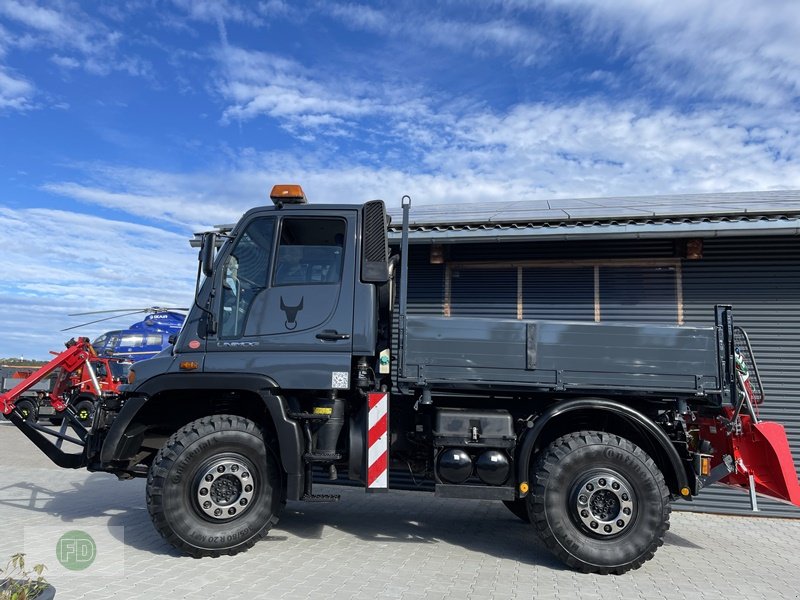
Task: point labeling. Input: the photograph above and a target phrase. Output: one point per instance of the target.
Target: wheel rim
(224, 489)
(603, 503)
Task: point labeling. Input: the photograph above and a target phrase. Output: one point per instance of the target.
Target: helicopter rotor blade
(128, 310)
(101, 320)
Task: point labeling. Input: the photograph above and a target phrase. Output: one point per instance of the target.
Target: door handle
(332, 336)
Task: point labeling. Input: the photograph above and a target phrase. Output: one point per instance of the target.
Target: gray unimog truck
(297, 356)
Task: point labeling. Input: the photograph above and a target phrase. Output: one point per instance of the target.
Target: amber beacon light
(287, 194)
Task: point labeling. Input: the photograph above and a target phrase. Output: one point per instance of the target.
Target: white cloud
(258, 83)
(79, 38)
(533, 151)
(72, 262)
(15, 92)
(736, 49)
(424, 25)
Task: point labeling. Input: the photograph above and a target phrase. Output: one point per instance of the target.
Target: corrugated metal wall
(759, 277)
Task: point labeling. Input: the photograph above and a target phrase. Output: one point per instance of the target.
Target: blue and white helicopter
(143, 339)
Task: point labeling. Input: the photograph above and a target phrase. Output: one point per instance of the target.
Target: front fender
(289, 433)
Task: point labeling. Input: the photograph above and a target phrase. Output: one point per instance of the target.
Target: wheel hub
(604, 503)
(225, 489)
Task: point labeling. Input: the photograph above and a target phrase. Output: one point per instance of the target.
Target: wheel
(84, 410)
(519, 507)
(599, 502)
(215, 487)
(28, 410)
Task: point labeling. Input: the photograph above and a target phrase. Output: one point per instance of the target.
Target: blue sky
(126, 126)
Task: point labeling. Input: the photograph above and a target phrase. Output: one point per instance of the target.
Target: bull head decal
(291, 313)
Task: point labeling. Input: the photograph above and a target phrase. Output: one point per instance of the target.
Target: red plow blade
(762, 450)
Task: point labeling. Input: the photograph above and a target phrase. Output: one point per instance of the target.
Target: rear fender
(671, 459)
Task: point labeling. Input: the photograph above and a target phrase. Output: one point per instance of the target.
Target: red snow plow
(748, 453)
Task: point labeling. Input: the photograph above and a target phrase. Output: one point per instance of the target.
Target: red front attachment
(77, 353)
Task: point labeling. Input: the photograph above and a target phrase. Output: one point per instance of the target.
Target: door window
(310, 252)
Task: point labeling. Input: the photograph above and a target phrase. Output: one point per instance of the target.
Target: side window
(245, 275)
(310, 252)
(132, 340)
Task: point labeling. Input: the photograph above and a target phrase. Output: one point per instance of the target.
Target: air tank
(492, 467)
(454, 465)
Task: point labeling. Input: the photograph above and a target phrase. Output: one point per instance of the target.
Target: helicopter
(143, 339)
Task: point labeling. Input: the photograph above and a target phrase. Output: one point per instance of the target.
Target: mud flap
(758, 449)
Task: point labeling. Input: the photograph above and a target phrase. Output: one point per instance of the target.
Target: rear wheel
(215, 487)
(28, 410)
(599, 502)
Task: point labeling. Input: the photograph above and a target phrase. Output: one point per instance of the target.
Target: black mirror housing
(207, 251)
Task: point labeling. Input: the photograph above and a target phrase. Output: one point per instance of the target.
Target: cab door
(285, 300)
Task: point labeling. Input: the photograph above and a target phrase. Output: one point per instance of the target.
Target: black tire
(572, 491)
(177, 479)
(519, 507)
(28, 410)
(84, 410)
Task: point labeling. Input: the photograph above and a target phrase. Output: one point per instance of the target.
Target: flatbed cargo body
(562, 356)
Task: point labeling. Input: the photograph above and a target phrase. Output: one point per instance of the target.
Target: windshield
(119, 369)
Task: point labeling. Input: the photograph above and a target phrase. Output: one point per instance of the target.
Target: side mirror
(207, 250)
(172, 339)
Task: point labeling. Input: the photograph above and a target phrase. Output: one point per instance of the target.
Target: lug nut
(602, 482)
(217, 512)
(203, 491)
(243, 501)
(584, 513)
(206, 504)
(593, 524)
(221, 469)
(626, 510)
(615, 485)
(625, 497)
(583, 499)
(234, 468)
(589, 487)
(231, 511)
(248, 488)
(620, 523)
(607, 528)
(209, 477)
(245, 474)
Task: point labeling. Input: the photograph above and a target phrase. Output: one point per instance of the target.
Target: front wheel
(84, 410)
(599, 502)
(215, 487)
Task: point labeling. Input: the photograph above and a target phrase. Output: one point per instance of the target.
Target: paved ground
(398, 545)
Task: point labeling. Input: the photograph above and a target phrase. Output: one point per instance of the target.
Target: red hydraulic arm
(77, 353)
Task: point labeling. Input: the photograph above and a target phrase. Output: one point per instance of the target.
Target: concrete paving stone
(398, 546)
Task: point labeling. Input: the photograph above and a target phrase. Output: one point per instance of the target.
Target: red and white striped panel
(378, 442)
